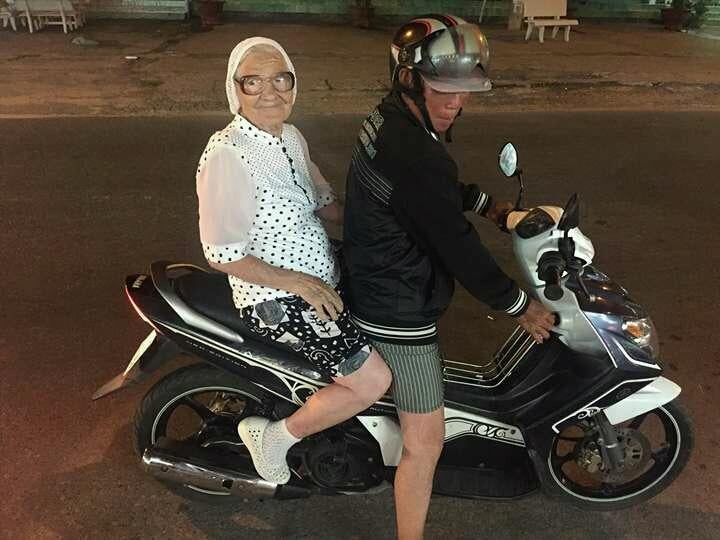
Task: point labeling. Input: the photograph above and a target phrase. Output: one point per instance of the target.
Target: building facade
(384, 10)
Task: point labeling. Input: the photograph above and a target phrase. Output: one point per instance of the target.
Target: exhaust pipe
(198, 473)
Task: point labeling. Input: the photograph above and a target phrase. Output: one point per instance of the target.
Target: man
(407, 240)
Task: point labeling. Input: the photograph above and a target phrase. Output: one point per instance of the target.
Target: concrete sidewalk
(344, 69)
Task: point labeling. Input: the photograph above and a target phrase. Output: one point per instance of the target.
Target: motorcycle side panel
(550, 379)
(477, 467)
(458, 425)
(386, 431)
(471, 451)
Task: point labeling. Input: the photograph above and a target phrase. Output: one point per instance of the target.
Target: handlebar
(550, 269)
(553, 290)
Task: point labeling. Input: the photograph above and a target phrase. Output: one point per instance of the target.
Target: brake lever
(581, 282)
(575, 267)
(566, 246)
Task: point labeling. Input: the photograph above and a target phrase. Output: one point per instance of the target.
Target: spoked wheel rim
(216, 411)
(649, 454)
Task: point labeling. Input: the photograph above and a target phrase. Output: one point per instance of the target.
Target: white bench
(543, 13)
(20, 9)
(36, 14)
(56, 12)
(7, 14)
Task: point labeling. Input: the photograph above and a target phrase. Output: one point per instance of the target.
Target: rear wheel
(656, 446)
(202, 405)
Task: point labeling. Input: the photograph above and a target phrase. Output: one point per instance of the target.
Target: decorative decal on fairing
(588, 412)
(459, 427)
(605, 400)
(299, 391)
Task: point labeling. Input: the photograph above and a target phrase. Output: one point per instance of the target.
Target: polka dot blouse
(257, 196)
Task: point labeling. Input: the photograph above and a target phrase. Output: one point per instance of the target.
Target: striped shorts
(417, 372)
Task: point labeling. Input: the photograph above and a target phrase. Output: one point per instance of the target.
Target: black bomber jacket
(406, 238)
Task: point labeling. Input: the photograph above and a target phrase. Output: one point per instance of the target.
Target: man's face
(443, 107)
(271, 106)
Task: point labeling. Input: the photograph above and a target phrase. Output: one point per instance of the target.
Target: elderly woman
(261, 199)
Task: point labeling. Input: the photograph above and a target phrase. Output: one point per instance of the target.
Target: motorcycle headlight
(642, 332)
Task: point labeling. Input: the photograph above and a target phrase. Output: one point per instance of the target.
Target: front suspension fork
(612, 452)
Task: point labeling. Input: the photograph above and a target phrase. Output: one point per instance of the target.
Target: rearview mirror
(508, 160)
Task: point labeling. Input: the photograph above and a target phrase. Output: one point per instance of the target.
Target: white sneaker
(271, 466)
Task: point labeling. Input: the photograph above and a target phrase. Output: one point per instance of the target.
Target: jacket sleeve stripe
(480, 203)
(520, 305)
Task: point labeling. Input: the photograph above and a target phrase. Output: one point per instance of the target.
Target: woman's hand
(318, 294)
(313, 290)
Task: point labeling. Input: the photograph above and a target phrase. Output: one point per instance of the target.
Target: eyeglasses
(253, 85)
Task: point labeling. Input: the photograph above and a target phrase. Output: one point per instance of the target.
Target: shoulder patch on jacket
(369, 132)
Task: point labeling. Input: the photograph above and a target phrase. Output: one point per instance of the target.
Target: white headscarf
(235, 57)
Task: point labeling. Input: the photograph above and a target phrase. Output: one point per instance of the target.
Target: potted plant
(698, 13)
(677, 15)
(209, 12)
(573, 6)
(684, 14)
(362, 13)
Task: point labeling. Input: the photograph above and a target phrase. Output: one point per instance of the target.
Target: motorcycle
(585, 416)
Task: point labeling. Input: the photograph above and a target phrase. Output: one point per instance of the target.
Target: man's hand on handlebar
(498, 211)
(537, 321)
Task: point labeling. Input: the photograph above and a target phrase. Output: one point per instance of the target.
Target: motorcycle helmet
(447, 52)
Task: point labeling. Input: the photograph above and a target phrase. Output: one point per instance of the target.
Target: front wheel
(656, 445)
(201, 405)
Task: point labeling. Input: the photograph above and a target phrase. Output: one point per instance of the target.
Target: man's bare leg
(423, 436)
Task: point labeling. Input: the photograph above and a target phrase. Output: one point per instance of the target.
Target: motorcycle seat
(210, 294)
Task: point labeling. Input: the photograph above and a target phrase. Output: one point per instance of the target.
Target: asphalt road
(86, 201)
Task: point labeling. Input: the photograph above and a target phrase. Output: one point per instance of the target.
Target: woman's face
(271, 107)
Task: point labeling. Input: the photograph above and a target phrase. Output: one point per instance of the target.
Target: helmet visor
(475, 81)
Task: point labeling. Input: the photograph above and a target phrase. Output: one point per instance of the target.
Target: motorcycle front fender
(657, 393)
(153, 352)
